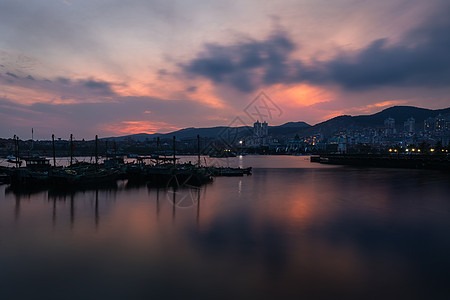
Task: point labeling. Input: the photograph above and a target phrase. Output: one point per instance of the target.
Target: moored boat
(90, 175)
(226, 171)
(35, 173)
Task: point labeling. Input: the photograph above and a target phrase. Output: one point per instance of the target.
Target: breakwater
(424, 161)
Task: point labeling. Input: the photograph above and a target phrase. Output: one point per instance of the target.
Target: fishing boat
(35, 173)
(13, 160)
(230, 172)
(168, 174)
(223, 154)
(84, 176)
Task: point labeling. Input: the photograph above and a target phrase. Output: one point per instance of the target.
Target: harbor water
(292, 230)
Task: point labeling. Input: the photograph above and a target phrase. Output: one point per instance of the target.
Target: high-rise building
(389, 126)
(260, 134)
(428, 124)
(409, 125)
(440, 123)
(260, 129)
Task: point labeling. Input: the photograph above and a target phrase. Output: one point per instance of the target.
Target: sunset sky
(112, 67)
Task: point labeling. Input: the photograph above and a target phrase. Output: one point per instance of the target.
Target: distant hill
(213, 132)
(186, 133)
(287, 129)
(294, 124)
(399, 113)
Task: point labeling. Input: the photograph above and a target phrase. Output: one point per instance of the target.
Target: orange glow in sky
(96, 73)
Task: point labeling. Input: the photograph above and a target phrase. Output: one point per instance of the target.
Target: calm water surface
(291, 230)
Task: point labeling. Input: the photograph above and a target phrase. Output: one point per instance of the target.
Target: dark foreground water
(291, 230)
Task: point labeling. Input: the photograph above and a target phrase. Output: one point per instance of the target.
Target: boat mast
(157, 150)
(96, 149)
(71, 149)
(18, 152)
(53, 148)
(174, 158)
(198, 149)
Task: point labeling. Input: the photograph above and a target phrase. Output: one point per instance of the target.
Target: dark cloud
(100, 86)
(64, 88)
(63, 80)
(12, 75)
(237, 65)
(191, 89)
(420, 59)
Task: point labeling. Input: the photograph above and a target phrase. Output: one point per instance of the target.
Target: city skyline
(399, 121)
(115, 68)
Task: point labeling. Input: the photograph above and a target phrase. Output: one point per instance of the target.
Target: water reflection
(74, 197)
(17, 208)
(198, 206)
(97, 216)
(281, 233)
